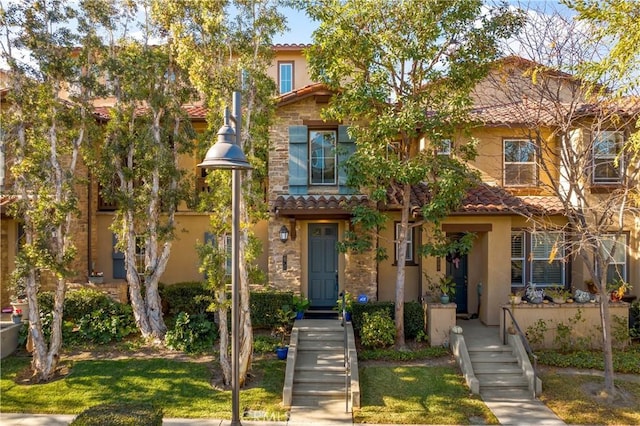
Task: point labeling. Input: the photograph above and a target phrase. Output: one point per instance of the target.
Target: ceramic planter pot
(282, 352)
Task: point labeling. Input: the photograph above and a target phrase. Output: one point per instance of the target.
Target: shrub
(107, 324)
(192, 333)
(264, 307)
(190, 297)
(378, 329)
(120, 415)
(413, 316)
(88, 315)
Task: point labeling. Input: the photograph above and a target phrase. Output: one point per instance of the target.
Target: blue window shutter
(346, 148)
(117, 259)
(298, 159)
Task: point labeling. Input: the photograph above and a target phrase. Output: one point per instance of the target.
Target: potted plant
(96, 277)
(284, 322)
(301, 304)
(558, 294)
(515, 298)
(347, 306)
(618, 289)
(16, 316)
(447, 288)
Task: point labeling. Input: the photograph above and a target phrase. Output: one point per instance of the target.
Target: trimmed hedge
(265, 304)
(413, 316)
(193, 298)
(190, 297)
(122, 414)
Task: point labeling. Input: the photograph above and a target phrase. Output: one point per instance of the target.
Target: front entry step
(497, 369)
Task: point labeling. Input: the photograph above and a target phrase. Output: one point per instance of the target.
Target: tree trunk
(154, 308)
(246, 331)
(45, 360)
(223, 328)
(607, 342)
(400, 343)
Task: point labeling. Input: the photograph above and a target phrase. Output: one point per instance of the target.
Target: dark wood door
(457, 269)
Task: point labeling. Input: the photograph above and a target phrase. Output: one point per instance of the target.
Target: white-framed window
(614, 247)
(322, 157)
(537, 258)
(285, 77)
(606, 148)
(444, 147)
(409, 257)
(518, 264)
(519, 162)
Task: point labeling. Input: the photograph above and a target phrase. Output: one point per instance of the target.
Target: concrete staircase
(316, 384)
(498, 371)
(319, 373)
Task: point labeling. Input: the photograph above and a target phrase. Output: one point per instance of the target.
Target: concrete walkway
(511, 408)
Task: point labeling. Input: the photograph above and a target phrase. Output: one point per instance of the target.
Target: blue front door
(323, 264)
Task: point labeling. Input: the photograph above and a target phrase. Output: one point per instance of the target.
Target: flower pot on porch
(300, 315)
(17, 319)
(444, 299)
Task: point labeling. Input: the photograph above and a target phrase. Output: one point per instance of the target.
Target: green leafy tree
(44, 137)
(613, 24)
(137, 160)
(226, 46)
(403, 71)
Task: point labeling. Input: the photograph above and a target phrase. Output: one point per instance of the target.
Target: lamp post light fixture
(226, 153)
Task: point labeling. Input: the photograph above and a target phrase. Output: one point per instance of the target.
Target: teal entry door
(323, 264)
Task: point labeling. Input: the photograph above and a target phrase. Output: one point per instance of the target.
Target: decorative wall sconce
(284, 234)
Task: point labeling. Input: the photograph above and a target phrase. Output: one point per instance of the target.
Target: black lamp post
(226, 153)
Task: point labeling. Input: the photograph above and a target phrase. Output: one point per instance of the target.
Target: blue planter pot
(347, 316)
(300, 315)
(282, 352)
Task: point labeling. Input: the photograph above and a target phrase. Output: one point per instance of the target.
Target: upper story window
(444, 147)
(519, 162)
(322, 157)
(606, 148)
(285, 77)
(537, 258)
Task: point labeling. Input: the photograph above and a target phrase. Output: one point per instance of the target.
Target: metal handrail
(525, 342)
(347, 362)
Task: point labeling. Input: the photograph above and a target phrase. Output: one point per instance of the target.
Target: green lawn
(417, 394)
(570, 397)
(183, 389)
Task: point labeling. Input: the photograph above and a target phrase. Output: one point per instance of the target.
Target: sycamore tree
(579, 148)
(137, 160)
(403, 71)
(44, 137)
(615, 24)
(226, 46)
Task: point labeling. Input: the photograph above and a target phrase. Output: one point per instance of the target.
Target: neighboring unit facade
(309, 202)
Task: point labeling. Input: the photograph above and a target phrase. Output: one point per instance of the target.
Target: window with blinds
(537, 258)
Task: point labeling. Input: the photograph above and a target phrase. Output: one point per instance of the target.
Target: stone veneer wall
(359, 274)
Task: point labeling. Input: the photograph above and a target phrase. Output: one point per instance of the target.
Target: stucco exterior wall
(583, 320)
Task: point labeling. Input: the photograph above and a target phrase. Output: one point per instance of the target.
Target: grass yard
(182, 388)
(572, 397)
(418, 394)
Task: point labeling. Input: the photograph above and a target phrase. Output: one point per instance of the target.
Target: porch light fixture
(284, 234)
(226, 153)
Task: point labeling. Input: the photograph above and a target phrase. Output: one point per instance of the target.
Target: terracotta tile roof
(195, 112)
(7, 200)
(290, 46)
(483, 199)
(303, 92)
(550, 113)
(313, 205)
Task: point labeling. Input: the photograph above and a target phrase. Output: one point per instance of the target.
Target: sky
(301, 27)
